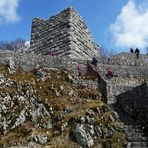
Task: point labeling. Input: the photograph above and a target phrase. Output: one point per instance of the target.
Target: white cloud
(8, 12)
(131, 26)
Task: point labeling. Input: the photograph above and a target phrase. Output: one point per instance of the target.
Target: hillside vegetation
(48, 107)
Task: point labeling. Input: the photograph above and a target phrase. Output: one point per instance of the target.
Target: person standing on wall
(137, 51)
(131, 50)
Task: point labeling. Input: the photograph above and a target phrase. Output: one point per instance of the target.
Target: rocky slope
(47, 107)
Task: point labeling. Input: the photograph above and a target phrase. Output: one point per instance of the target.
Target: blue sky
(116, 24)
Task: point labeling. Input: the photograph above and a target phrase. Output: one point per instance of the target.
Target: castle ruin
(64, 34)
(67, 36)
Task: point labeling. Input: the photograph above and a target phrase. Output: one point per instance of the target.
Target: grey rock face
(21, 106)
(82, 137)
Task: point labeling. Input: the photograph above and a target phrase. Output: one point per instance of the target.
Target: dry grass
(79, 105)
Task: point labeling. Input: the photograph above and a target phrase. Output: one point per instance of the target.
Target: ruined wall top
(129, 59)
(65, 14)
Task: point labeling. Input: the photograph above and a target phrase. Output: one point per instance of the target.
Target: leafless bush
(106, 53)
(12, 45)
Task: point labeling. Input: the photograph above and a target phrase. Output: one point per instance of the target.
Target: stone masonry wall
(134, 103)
(126, 78)
(129, 59)
(65, 34)
(29, 61)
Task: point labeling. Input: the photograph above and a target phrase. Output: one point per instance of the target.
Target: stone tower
(65, 34)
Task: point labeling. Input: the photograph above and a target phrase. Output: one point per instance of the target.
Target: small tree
(106, 53)
(12, 45)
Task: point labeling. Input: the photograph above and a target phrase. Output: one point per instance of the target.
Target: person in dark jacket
(137, 51)
(131, 50)
(94, 61)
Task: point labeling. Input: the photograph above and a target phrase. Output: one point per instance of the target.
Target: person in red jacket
(110, 73)
(51, 53)
(79, 69)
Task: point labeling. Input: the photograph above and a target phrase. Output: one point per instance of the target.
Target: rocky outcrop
(46, 106)
(83, 137)
(125, 78)
(16, 109)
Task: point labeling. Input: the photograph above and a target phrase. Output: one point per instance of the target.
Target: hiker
(137, 51)
(79, 69)
(108, 59)
(131, 50)
(51, 53)
(110, 73)
(94, 61)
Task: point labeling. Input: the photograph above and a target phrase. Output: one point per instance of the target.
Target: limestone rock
(41, 75)
(61, 88)
(21, 119)
(98, 130)
(40, 139)
(26, 66)
(82, 120)
(115, 115)
(82, 137)
(111, 118)
(40, 112)
(98, 110)
(70, 78)
(67, 109)
(11, 66)
(71, 93)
